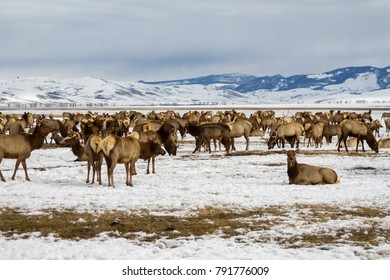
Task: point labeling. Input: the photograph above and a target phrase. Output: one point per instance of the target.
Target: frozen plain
(187, 183)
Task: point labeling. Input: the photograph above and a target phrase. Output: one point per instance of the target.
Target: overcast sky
(161, 40)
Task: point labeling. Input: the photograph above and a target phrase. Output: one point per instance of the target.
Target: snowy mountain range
(356, 85)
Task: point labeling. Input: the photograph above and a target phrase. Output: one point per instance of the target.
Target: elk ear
(297, 151)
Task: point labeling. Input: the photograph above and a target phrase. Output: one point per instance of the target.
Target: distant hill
(248, 83)
(345, 85)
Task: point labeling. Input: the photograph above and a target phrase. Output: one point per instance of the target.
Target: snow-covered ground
(188, 183)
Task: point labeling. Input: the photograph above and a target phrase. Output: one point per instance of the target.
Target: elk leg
(25, 169)
(94, 173)
(229, 144)
(110, 172)
(339, 143)
(88, 171)
(345, 144)
(108, 175)
(232, 141)
(247, 142)
(362, 140)
(147, 168)
(153, 161)
(127, 166)
(2, 177)
(132, 168)
(99, 171)
(16, 168)
(1, 174)
(196, 144)
(344, 138)
(208, 145)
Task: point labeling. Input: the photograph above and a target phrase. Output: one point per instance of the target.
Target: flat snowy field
(351, 220)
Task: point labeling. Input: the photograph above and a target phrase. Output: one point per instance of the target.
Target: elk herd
(126, 136)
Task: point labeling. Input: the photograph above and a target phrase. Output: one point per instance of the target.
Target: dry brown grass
(224, 222)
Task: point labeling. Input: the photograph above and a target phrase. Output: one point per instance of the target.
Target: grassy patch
(72, 225)
(268, 224)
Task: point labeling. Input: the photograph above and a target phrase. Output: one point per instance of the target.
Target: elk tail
(135, 135)
(95, 142)
(106, 145)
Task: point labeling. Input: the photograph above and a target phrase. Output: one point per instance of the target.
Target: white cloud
(154, 40)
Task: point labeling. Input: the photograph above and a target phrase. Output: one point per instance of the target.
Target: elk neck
(292, 168)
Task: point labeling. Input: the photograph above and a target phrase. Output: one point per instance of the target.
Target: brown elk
(166, 135)
(316, 133)
(208, 132)
(58, 139)
(385, 115)
(359, 130)
(149, 150)
(240, 127)
(338, 117)
(20, 146)
(304, 174)
(366, 116)
(268, 123)
(88, 152)
(331, 130)
(180, 125)
(56, 125)
(194, 130)
(16, 128)
(124, 150)
(290, 132)
(384, 143)
(351, 142)
(73, 141)
(94, 158)
(375, 126)
(387, 124)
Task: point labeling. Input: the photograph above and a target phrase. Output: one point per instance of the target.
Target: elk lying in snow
(304, 174)
(384, 143)
(58, 139)
(351, 142)
(359, 130)
(124, 150)
(73, 141)
(20, 146)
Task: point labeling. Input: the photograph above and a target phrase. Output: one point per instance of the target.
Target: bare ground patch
(297, 226)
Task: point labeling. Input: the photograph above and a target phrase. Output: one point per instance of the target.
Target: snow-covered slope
(356, 85)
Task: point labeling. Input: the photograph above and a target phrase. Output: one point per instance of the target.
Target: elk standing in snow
(20, 146)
